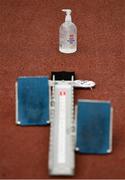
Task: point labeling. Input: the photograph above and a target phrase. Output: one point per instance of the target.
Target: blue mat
(32, 100)
(94, 129)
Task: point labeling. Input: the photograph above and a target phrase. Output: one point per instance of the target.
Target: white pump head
(68, 14)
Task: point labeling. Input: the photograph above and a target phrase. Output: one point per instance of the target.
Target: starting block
(40, 101)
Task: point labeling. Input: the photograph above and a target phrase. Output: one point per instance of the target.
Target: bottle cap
(68, 14)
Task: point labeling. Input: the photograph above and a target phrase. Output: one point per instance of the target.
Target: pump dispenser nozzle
(68, 14)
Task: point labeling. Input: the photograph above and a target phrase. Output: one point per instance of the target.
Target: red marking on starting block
(62, 93)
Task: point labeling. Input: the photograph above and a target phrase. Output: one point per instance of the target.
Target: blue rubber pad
(93, 127)
(33, 100)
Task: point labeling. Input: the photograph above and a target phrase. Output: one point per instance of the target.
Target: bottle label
(71, 39)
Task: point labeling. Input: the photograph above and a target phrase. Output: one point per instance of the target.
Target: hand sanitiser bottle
(68, 34)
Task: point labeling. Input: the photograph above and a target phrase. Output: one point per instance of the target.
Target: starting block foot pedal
(94, 127)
